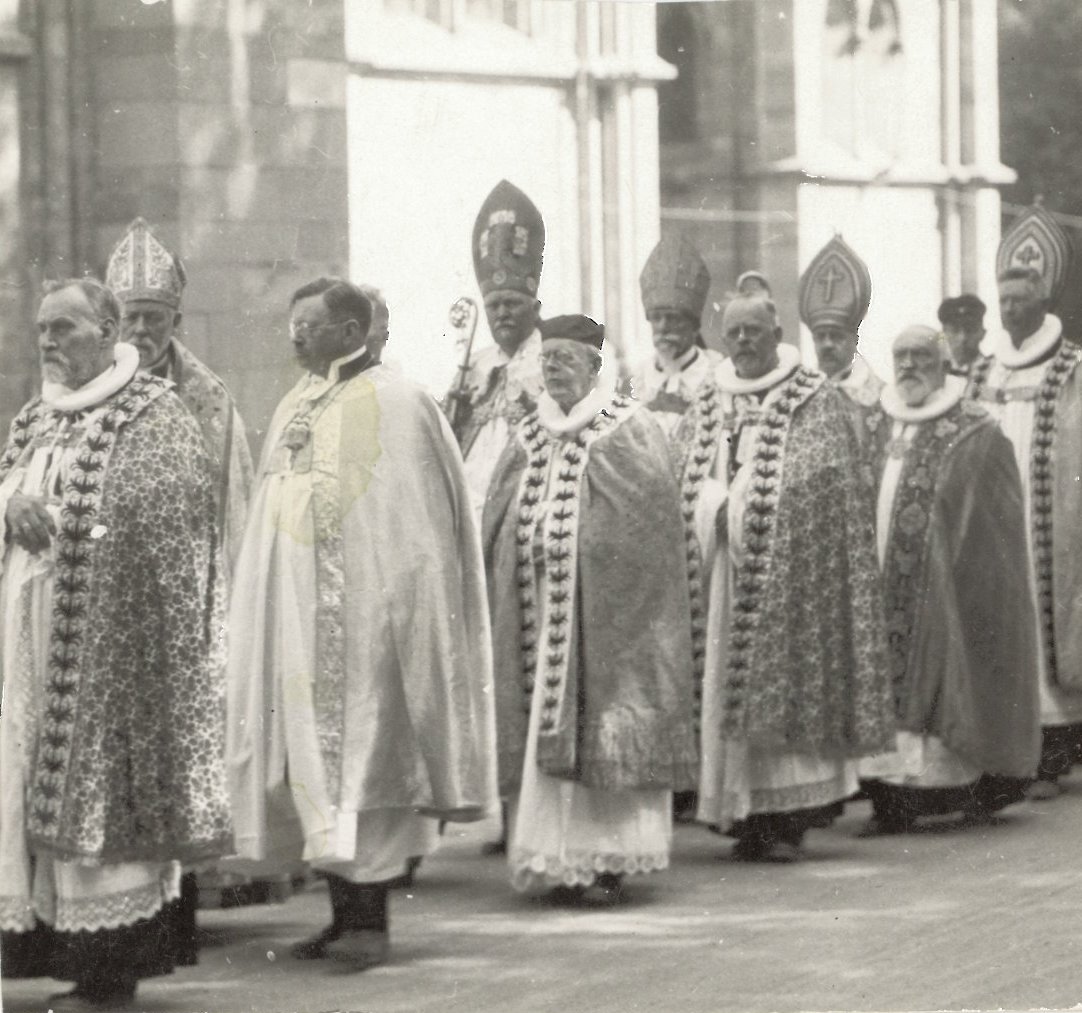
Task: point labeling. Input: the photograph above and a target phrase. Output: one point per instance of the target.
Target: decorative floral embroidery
(79, 514)
(909, 530)
(702, 452)
(760, 514)
(554, 627)
(22, 429)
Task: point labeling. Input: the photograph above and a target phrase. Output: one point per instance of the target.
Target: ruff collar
(1033, 349)
(939, 403)
(63, 399)
(552, 416)
(730, 383)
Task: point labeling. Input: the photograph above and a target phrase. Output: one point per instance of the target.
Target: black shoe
(115, 997)
(315, 947)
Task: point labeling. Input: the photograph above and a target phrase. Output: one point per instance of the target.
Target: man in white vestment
(504, 379)
(1032, 385)
(360, 693)
(111, 739)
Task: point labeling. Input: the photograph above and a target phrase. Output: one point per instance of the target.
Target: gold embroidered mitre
(141, 267)
(508, 242)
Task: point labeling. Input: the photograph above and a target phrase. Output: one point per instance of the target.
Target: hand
(463, 396)
(28, 522)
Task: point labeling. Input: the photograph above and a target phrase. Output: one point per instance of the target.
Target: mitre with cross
(836, 288)
(1036, 240)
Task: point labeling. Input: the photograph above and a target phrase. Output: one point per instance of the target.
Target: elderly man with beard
(149, 281)
(504, 380)
(678, 386)
(1032, 385)
(588, 591)
(952, 546)
(111, 741)
(795, 689)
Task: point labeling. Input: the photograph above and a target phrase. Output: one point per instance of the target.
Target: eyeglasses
(305, 331)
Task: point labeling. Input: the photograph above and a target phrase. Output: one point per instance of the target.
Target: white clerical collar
(553, 418)
(1033, 349)
(730, 383)
(105, 384)
(677, 365)
(939, 402)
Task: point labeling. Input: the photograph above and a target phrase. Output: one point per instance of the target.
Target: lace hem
(116, 910)
(16, 914)
(530, 870)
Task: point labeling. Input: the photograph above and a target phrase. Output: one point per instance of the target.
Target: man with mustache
(795, 688)
(951, 538)
(674, 285)
(504, 380)
(149, 281)
(111, 740)
(360, 681)
(678, 386)
(835, 292)
(1032, 385)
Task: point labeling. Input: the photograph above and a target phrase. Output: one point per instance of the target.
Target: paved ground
(945, 919)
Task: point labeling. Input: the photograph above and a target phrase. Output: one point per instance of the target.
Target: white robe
(1019, 372)
(397, 473)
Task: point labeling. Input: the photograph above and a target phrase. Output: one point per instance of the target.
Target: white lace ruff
(530, 870)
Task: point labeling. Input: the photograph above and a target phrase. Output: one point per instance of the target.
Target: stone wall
(222, 122)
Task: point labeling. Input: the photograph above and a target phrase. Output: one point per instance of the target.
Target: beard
(915, 389)
(56, 370)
